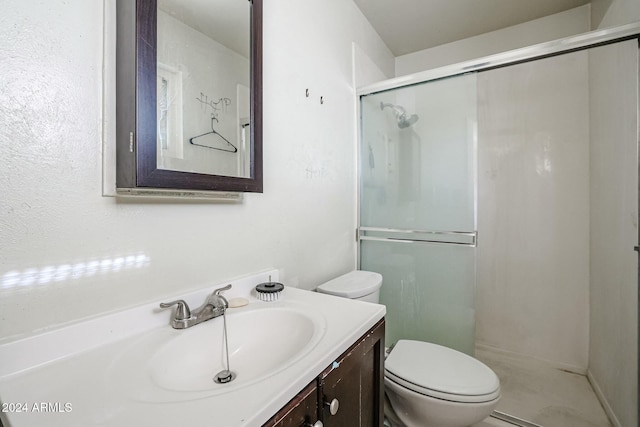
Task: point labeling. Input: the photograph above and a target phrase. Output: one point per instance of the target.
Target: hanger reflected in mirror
(227, 145)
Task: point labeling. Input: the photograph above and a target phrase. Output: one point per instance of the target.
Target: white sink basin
(177, 365)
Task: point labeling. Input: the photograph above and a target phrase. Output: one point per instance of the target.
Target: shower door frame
(558, 47)
(526, 54)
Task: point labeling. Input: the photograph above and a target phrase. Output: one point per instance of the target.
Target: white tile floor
(539, 393)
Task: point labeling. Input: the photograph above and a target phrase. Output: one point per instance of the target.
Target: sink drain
(224, 377)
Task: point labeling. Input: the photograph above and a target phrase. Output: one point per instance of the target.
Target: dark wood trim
(372, 340)
(368, 340)
(379, 331)
(125, 84)
(256, 93)
(137, 74)
(146, 96)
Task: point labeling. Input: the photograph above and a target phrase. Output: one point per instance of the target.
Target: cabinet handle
(317, 424)
(334, 405)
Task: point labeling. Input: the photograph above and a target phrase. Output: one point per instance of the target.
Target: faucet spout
(214, 306)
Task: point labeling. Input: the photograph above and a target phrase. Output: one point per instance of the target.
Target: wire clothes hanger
(231, 149)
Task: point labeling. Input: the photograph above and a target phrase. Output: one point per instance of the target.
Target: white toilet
(427, 385)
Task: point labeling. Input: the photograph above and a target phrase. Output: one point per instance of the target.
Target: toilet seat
(441, 372)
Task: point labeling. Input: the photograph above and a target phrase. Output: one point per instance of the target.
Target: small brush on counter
(269, 291)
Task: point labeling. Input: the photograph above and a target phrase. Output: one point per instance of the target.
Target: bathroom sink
(177, 365)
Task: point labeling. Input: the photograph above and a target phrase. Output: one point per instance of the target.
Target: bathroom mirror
(189, 96)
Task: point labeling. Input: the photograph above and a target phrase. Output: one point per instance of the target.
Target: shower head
(403, 120)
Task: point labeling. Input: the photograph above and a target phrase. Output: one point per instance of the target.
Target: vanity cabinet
(348, 393)
(302, 410)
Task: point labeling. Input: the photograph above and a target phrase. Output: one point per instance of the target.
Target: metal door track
(513, 420)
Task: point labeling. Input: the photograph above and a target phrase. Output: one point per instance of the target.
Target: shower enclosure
(499, 200)
(419, 193)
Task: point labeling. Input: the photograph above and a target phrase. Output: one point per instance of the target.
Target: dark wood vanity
(348, 393)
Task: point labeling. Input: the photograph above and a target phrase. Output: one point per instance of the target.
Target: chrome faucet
(214, 306)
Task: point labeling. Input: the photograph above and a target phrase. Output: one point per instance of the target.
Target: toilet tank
(359, 285)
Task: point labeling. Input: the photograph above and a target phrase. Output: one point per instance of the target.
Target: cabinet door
(300, 412)
(341, 387)
(351, 389)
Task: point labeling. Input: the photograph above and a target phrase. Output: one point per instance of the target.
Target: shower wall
(533, 210)
(558, 217)
(613, 356)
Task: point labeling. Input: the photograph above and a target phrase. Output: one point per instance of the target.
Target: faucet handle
(216, 299)
(225, 288)
(182, 312)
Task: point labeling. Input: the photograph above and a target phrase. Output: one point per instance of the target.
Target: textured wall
(67, 252)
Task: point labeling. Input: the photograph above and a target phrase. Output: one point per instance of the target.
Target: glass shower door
(417, 224)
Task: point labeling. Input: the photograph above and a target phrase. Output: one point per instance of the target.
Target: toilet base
(390, 417)
(411, 409)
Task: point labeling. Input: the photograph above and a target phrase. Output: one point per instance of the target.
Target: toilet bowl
(426, 385)
(431, 385)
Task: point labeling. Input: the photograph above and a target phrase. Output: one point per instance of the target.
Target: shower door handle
(384, 234)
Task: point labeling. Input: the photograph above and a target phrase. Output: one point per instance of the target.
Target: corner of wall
(611, 13)
(570, 22)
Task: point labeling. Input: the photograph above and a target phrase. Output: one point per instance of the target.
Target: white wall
(613, 299)
(67, 252)
(365, 70)
(610, 13)
(613, 80)
(533, 210)
(571, 22)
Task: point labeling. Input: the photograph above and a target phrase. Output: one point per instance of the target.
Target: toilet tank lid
(355, 284)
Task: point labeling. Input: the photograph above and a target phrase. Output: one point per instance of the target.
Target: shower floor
(541, 394)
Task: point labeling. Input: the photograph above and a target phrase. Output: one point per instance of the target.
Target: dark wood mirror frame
(136, 144)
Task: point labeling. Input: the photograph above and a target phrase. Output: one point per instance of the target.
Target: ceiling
(411, 25)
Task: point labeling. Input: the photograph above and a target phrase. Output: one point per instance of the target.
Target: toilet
(426, 385)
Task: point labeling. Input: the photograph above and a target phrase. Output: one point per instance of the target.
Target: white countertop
(64, 377)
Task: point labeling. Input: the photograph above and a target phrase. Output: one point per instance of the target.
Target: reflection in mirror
(189, 98)
(203, 59)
